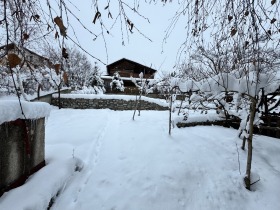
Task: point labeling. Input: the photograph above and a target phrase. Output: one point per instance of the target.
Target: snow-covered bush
(144, 86)
(117, 83)
(89, 90)
(27, 80)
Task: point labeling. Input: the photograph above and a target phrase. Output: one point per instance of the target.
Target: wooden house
(127, 69)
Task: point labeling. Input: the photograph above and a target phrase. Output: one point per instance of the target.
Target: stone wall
(22, 151)
(114, 104)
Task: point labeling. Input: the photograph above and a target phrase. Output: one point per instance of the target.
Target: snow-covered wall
(10, 110)
(22, 140)
(114, 102)
(22, 151)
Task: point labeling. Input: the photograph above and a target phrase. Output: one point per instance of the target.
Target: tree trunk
(139, 105)
(38, 91)
(136, 106)
(170, 110)
(244, 138)
(180, 106)
(59, 101)
(243, 143)
(247, 178)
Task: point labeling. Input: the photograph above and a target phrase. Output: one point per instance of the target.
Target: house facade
(127, 69)
(29, 57)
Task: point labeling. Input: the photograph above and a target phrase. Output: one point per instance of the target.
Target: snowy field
(101, 159)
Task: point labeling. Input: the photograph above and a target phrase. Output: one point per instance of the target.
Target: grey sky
(138, 48)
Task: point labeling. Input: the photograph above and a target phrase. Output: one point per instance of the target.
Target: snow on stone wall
(118, 97)
(114, 102)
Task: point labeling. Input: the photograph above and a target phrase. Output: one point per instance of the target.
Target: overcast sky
(155, 53)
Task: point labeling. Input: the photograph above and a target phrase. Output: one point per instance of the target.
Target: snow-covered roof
(10, 110)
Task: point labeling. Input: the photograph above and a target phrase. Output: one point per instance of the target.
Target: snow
(118, 97)
(31, 97)
(10, 110)
(126, 78)
(102, 159)
(228, 82)
(40, 194)
(90, 90)
(197, 116)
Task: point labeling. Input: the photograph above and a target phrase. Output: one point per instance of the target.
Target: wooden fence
(269, 127)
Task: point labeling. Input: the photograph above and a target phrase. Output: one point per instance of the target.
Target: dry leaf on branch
(65, 77)
(25, 36)
(57, 68)
(233, 31)
(64, 53)
(13, 60)
(273, 20)
(36, 18)
(130, 25)
(56, 35)
(229, 18)
(269, 32)
(97, 15)
(60, 25)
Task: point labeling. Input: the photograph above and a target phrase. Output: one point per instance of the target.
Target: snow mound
(10, 110)
(198, 117)
(45, 189)
(211, 117)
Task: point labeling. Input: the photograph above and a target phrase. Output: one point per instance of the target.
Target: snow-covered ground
(101, 159)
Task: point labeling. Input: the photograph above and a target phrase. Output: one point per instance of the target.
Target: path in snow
(122, 167)
(92, 158)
